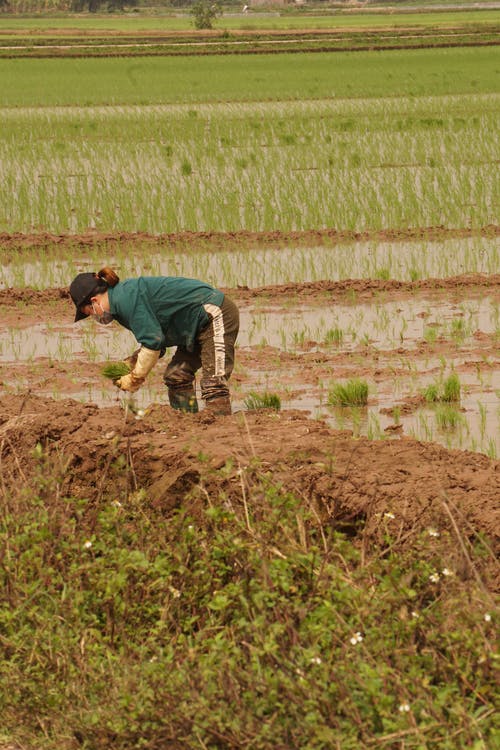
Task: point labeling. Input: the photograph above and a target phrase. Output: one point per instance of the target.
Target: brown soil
(222, 240)
(350, 483)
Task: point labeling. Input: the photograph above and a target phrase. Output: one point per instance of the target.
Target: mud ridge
(351, 483)
(19, 240)
(336, 289)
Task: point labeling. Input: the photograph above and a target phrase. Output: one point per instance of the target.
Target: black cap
(82, 288)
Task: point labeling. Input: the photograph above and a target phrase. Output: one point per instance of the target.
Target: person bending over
(166, 311)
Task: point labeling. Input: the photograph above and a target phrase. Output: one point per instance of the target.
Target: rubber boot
(220, 406)
(183, 400)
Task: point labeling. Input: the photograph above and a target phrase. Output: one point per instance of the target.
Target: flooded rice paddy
(295, 341)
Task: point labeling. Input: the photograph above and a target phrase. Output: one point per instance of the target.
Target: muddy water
(475, 425)
(381, 342)
(385, 326)
(404, 261)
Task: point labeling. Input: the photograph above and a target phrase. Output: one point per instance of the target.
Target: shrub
(205, 12)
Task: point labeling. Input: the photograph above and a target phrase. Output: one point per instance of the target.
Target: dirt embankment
(366, 489)
(223, 240)
(314, 290)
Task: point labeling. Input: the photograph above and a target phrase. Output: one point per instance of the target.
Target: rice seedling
(255, 401)
(431, 334)
(446, 391)
(451, 388)
(491, 449)
(334, 336)
(448, 417)
(396, 415)
(122, 171)
(374, 428)
(352, 393)
(115, 370)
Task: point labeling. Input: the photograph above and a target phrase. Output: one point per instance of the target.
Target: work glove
(146, 360)
(132, 360)
(129, 382)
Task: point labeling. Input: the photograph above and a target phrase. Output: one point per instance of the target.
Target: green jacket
(163, 311)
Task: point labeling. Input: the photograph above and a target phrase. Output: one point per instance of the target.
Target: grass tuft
(352, 393)
(262, 401)
(447, 391)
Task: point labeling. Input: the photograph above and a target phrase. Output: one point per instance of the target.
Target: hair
(107, 275)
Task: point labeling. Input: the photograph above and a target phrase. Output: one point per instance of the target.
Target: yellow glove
(132, 360)
(129, 382)
(146, 360)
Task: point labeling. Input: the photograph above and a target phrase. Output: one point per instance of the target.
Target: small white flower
(356, 638)
(433, 532)
(447, 572)
(487, 617)
(404, 708)
(315, 660)
(389, 515)
(434, 577)
(87, 544)
(175, 592)
(415, 615)
(116, 504)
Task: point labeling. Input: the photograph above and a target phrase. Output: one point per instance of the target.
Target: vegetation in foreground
(251, 626)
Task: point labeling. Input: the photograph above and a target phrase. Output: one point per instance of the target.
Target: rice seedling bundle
(115, 370)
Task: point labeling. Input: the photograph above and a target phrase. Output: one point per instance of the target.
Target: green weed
(245, 624)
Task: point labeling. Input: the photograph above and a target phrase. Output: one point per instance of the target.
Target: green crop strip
(86, 82)
(353, 164)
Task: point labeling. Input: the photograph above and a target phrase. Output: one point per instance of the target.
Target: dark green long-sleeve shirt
(163, 311)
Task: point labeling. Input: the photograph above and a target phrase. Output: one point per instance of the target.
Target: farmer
(164, 311)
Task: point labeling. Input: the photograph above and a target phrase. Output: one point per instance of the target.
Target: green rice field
(355, 141)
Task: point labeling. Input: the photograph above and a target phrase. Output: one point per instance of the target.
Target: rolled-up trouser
(213, 352)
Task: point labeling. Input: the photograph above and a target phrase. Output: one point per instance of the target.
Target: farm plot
(356, 165)
(317, 575)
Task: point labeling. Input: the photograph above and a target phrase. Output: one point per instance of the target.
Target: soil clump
(364, 488)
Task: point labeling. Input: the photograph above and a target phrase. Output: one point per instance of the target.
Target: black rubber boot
(183, 400)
